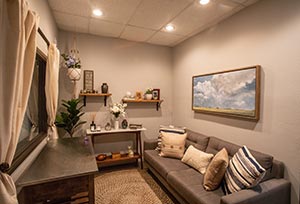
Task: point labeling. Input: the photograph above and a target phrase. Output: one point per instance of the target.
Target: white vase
(116, 125)
(148, 96)
(74, 73)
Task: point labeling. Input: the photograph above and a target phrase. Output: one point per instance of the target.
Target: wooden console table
(62, 173)
(137, 155)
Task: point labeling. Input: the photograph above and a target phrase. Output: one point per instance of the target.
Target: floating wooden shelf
(158, 102)
(122, 158)
(84, 95)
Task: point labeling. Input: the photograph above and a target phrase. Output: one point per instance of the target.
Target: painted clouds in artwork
(231, 90)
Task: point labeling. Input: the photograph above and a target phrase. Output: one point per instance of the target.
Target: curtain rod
(43, 36)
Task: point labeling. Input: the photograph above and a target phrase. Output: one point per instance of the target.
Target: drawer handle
(80, 195)
(80, 200)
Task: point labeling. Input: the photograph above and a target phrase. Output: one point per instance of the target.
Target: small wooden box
(116, 155)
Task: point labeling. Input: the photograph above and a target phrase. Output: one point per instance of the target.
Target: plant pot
(74, 73)
(148, 96)
(116, 125)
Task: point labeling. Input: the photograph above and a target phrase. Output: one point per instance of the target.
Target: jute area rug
(128, 187)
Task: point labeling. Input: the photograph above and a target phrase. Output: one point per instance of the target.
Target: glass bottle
(92, 126)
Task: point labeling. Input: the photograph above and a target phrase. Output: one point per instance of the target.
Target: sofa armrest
(150, 144)
(275, 191)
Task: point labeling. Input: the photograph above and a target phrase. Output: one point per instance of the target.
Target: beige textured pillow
(215, 171)
(197, 159)
(172, 144)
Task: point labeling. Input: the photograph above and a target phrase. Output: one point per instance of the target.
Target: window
(34, 127)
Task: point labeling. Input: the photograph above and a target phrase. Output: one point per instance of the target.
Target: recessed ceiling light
(97, 12)
(170, 27)
(204, 2)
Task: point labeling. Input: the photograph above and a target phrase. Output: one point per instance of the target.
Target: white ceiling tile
(71, 22)
(76, 7)
(214, 22)
(162, 38)
(119, 11)
(136, 34)
(104, 28)
(197, 16)
(154, 14)
(143, 20)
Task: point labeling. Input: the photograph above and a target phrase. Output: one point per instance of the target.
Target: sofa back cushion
(216, 144)
(198, 140)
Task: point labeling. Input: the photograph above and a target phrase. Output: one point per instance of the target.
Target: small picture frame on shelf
(138, 95)
(156, 94)
(88, 81)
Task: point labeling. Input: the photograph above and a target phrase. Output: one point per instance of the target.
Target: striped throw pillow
(243, 171)
(169, 129)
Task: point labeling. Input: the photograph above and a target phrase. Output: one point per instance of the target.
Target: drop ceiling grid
(143, 20)
(117, 11)
(80, 23)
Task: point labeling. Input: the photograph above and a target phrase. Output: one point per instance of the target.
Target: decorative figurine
(130, 152)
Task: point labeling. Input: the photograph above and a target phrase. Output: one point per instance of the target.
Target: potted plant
(73, 63)
(118, 109)
(148, 94)
(69, 120)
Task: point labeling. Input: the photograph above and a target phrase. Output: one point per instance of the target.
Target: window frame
(24, 150)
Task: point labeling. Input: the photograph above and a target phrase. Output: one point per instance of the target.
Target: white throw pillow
(172, 144)
(170, 128)
(197, 159)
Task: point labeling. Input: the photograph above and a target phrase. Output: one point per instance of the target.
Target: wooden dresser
(62, 173)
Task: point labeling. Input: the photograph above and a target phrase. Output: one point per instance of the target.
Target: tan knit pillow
(172, 144)
(197, 159)
(215, 171)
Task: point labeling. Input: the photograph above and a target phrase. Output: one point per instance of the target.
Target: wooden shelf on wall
(84, 95)
(158, 102)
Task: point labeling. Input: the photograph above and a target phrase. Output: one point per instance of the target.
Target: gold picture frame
(233, 93)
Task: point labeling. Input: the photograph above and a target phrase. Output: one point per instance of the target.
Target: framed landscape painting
(234, 93)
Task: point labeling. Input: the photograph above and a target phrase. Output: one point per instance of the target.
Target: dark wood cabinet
(63, 173)
(77, 190)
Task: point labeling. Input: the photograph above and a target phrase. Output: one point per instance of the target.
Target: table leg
(140, 146)
(93, 141)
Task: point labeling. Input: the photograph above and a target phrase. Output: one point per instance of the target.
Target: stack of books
(135, 126)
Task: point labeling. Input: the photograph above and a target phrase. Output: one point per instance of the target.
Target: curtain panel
(19, 28)
(51, 88)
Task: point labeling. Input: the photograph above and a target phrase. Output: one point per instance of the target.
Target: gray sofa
(185, 183)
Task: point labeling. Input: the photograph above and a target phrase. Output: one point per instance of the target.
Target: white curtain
(51, 88)
(18, 39)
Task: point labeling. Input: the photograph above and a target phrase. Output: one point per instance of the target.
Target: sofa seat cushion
(163, 165)
(189, 184)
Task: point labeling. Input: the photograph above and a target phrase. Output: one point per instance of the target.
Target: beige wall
(266, 33)
(47, 23)
(125, 66)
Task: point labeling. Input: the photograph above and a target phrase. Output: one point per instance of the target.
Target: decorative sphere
(128, 94)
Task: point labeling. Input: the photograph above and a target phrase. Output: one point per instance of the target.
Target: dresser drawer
(73, 190)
